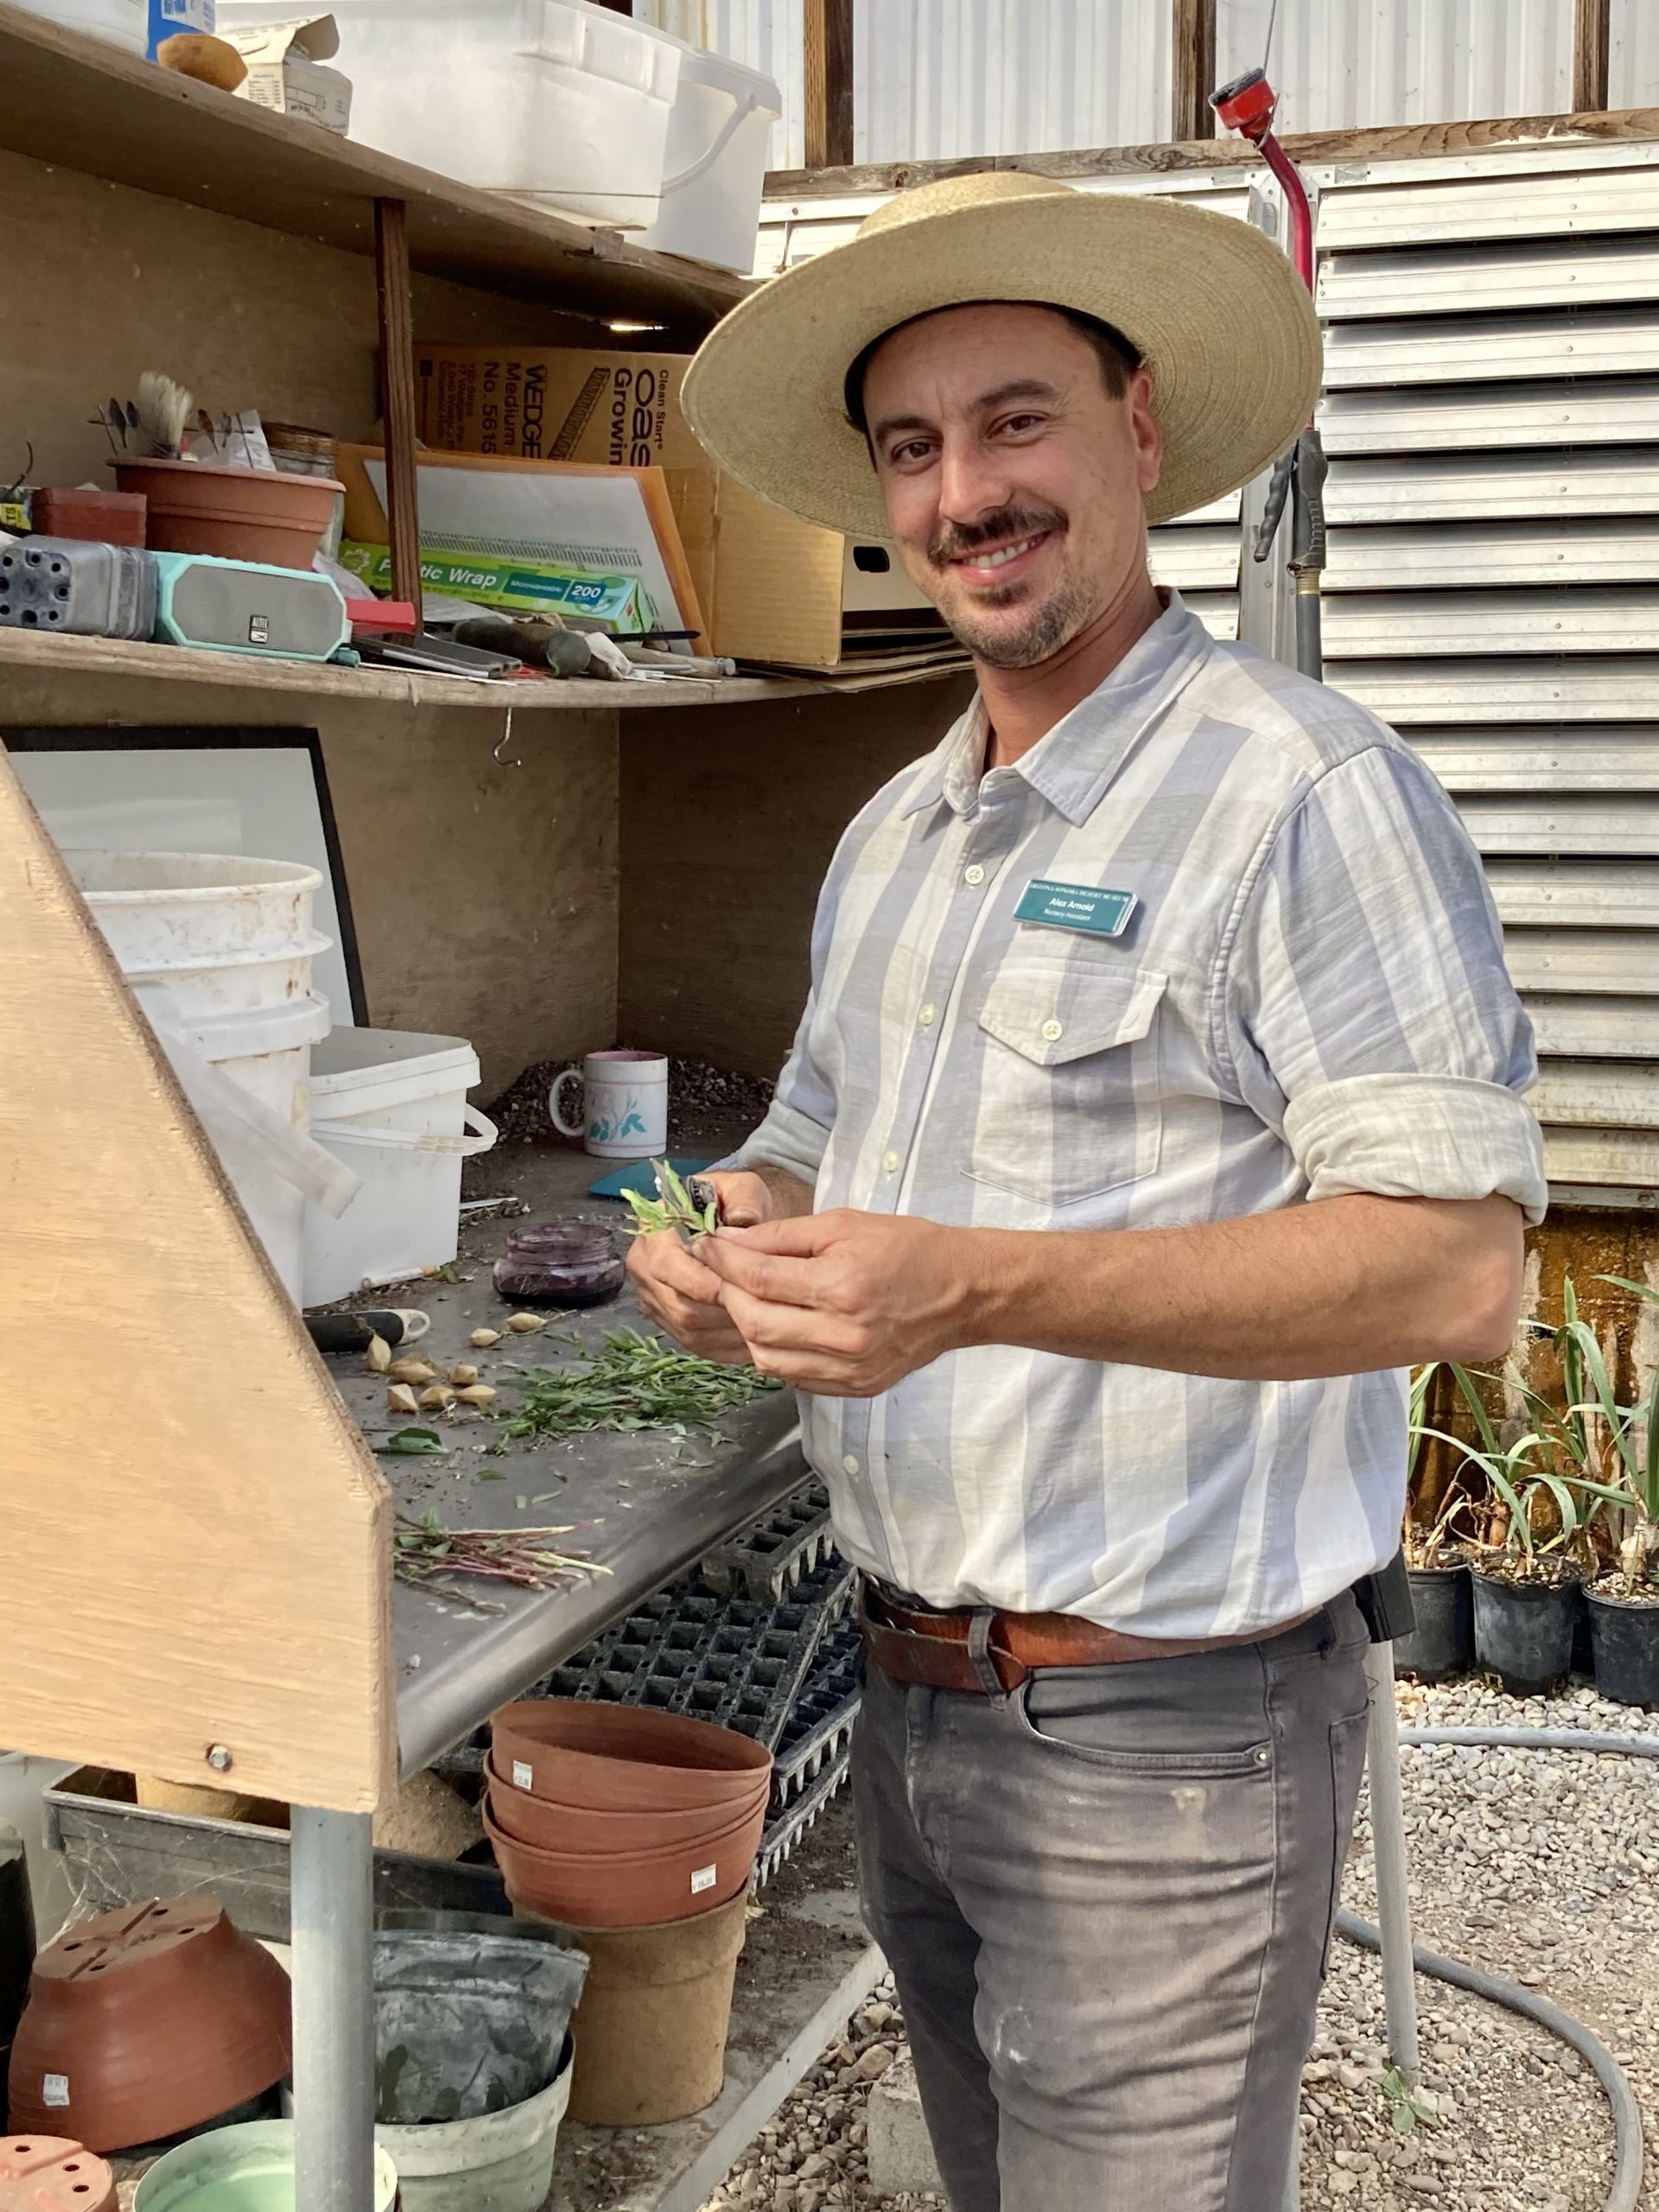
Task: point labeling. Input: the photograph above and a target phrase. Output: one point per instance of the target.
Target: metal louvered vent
(1492, 417)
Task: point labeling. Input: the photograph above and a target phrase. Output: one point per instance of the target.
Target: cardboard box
(770, 588)
(285, 72)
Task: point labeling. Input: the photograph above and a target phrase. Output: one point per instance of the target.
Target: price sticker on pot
(522, 1778)
(704, 1878)
(54, 2091)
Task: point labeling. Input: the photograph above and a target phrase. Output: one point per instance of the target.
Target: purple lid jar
(559, 1263)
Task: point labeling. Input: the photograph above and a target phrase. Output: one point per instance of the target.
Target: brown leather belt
(970, 1650)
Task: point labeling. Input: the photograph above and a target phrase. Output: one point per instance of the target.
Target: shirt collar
(1074, 763)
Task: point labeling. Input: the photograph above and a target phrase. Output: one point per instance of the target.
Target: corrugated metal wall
(1491, 414)
(1492, 417)
(939, 78)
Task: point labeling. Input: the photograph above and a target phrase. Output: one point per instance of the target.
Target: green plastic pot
(247, 2169)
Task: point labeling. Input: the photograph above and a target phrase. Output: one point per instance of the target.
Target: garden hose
(1627, 2117)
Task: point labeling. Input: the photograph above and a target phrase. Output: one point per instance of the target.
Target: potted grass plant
(1527, 1562)
(1621, 1479)
(1442, 1639)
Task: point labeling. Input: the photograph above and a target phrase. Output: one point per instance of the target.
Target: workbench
(649, 1505)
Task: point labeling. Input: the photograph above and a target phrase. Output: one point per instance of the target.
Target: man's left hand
(844, 1304)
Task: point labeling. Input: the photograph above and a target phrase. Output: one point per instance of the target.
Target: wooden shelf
(80, 105)
(161, 671)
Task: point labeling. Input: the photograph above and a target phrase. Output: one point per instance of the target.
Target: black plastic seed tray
(821, 1725)
(730, 1660)
(785, 1829)
(772, 1557)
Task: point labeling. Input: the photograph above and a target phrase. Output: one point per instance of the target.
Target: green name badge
(1075, 907)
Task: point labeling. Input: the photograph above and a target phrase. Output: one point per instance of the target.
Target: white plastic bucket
(716, 164)
(555, 101)
(23, 1780)
(119, 22)
(501, 2162)
(392, 1105)
(218, 949)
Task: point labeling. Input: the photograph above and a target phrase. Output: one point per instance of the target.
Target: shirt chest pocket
(1069, 1103)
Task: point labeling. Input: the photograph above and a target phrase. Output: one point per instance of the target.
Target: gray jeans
(1107, 1900)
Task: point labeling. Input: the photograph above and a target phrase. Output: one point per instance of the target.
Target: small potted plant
(1442, 1639)
(1527, 1560)
(1624, 1598)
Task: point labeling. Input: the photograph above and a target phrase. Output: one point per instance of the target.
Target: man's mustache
(958, 539)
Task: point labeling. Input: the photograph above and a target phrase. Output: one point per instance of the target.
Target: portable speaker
(242, 606)
(78, 588)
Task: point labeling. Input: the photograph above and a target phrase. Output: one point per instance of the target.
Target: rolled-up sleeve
(1367, 1011)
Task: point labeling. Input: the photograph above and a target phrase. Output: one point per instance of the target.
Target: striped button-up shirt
(1308, 998)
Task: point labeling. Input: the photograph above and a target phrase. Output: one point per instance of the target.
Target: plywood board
(197, 1537)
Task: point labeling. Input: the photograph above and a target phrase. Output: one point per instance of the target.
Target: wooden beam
(827, 58)
(1591, 41)
(1385, 143)
(398, 396)
(1192, 68)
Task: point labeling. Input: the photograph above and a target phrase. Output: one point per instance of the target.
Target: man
(1158, 1102)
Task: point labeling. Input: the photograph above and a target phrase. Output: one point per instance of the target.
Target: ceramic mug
(624, 1104)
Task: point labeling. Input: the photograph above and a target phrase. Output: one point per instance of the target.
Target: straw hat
(1218, 314)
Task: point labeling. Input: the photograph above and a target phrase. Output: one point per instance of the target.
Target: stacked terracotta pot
(638, 1830)
(617, 1817)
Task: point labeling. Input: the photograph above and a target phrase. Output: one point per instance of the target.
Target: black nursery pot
(1523, 1631)
(1443, 1641)
(1625, 1638)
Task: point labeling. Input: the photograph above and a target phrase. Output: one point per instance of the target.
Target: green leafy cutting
(638, 1382)
(411, 1443)
(1408, 2109)
(672, 1208)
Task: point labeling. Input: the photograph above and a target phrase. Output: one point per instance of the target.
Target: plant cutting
(425, 1553)
(692, 1210)
(636, 1382)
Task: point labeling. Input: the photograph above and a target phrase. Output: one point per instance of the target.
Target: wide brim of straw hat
(1219, 316)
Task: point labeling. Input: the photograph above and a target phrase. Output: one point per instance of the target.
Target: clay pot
(237, 514)
(628, 1889)
(650, 2029)
(621, 1758)
(147, 2022)
(73, 511)
(578, 1828)
(46, 2173)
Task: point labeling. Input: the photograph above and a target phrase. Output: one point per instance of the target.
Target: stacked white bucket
(219, 949)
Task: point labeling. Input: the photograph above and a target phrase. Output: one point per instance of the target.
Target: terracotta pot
(237, 514)
(628, 1889)
(651, 2028)
(46, 2173)
(147, 2022)
(102, 517)
(578, 1828)
(622, 1758)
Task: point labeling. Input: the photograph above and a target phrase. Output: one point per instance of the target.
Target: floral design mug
(624, 1104)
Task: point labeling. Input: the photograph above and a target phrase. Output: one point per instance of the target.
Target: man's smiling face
(1014, 478)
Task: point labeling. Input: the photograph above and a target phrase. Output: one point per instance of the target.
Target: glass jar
(559, 1263)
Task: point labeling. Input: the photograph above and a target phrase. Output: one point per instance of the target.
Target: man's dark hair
(1118, 359)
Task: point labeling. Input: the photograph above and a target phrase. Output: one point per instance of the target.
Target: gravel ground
(1539, 1866)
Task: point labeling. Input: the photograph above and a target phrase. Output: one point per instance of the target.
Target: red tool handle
(1246, 105)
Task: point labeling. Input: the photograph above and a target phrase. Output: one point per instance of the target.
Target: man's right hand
(682, 1296)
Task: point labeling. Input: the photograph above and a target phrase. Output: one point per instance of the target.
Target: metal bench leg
(1388, 1846)
(332, 1872)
